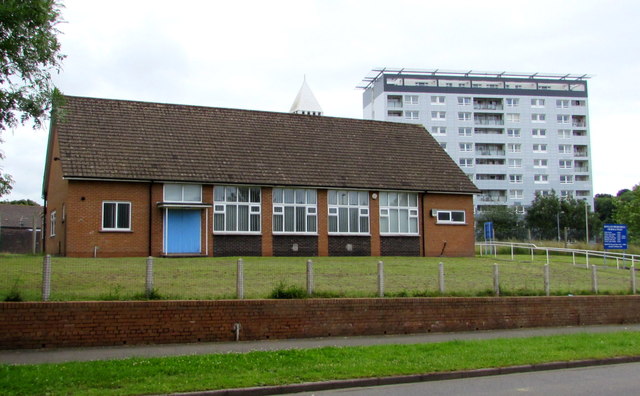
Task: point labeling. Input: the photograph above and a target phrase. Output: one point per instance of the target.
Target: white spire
(305, 102)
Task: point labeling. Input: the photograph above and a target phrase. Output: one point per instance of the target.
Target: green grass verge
(234, 370)
(215, 277)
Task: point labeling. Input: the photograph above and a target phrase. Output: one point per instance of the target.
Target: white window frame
(564, 194)
(516, 194)
(411, 99)
(537, 103)
(116, 218)
(564, 134)
(512, 102)
(412, 114)
(540, 163)
(438, 116)
(182, 193)
(451, 217)
(562, 103)
(539, 133)
(563, 119)
(466, 147)
(538, 118)
(345, 203)
(465, 131)
(566, 179)
(512, 117)
(437, 100)
(514, 163)
(514, 147)
(540, 178)
(464, 116)
(464, 101)
(408, 211)
(515, 179)
(513, 132)
(466, 162)
(565, 149)
(310, 206)
(52, 223)
(539, 148)
(227, 201)
(439, 130)
(565, 164)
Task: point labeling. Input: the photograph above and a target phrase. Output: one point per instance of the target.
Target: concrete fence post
(34, 236)
(594, 279)
(309, 277)
(512, 256)
(441, 277)
(547, 255)
(46, 278)
(633, 278)
(496, 280)
(547, 282)
(148, 285)
(532, 255)
(586, 256)
(240, 279)
(380, 279)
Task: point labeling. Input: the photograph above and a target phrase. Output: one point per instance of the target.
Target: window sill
(117, 231)
(401, 235)
(454, 224)
(237, 233)
(295, 234)
(349, 234)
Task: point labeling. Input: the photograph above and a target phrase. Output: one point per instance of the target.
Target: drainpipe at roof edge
(150, 217)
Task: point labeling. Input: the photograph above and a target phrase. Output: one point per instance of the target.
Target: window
(562, 103)
(236, 209)
(450, 217)
(466, 147)
(515, 194)
(439, 130)
(438, 115)
(541, 179)
(513, 117)
(566, 194)
(443, 145)
(537, 102)
(466, 162)
(411, 99)
(564, 134)
(565, 164)
(539, 163)
(514, 147)
(52, 230)
(538, 118)
(565, 149)
(464, 131)
(513, 132)
(543, 193)
(539, 133)
(563, 119)
(348, 212)
(464, 101)
(512, 102)
(412, 114)
(515, 163)
(437, 100)
(566, 179)
(182, 193)
(515, 179)
(464, 116)
(539, 148)
(294, 210)
(116, 216)
(398, 213)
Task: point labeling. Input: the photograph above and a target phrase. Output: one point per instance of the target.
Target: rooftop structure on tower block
(128, 178)
(513, 134)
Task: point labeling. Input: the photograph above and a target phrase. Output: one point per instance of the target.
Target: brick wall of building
(66, 324)
(237, 245)
(400, 246)
(349, 246)
(292, 245)
(448, 240)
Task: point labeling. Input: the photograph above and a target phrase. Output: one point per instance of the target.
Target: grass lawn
(215, 278)
(221, 371)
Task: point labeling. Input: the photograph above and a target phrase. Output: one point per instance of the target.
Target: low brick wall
(66, 324)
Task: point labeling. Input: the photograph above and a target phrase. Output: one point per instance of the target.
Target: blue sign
(615, 236)
(488, 231)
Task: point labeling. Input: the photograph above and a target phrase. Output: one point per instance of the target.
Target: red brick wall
(460, 239)
(56, 195)
(66, 324)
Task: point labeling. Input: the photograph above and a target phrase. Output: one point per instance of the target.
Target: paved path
(35, 356)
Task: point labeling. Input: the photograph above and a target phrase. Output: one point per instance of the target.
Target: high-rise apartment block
(513, 134)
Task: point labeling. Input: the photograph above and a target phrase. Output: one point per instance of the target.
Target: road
(613, 380)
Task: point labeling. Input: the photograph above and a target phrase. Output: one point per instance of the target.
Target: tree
(543, 216)
(627, 211)
(604, 207)
(507, 223)
(29, 52)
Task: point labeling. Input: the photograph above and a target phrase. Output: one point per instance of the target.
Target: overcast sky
(254, 55)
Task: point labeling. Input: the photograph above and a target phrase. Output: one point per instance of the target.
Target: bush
(284, 291)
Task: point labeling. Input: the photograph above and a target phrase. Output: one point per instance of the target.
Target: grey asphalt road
(613, 380)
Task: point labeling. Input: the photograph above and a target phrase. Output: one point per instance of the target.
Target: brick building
(128, 178)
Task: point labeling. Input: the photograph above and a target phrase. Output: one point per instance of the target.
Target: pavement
(59, 355)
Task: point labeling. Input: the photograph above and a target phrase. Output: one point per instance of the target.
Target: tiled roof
(116, 139)
(20, 216)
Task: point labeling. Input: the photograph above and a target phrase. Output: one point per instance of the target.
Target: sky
(255, 54)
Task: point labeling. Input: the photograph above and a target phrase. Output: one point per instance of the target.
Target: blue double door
(182, 231)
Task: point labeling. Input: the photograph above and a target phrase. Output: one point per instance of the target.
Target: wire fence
(498, 270)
